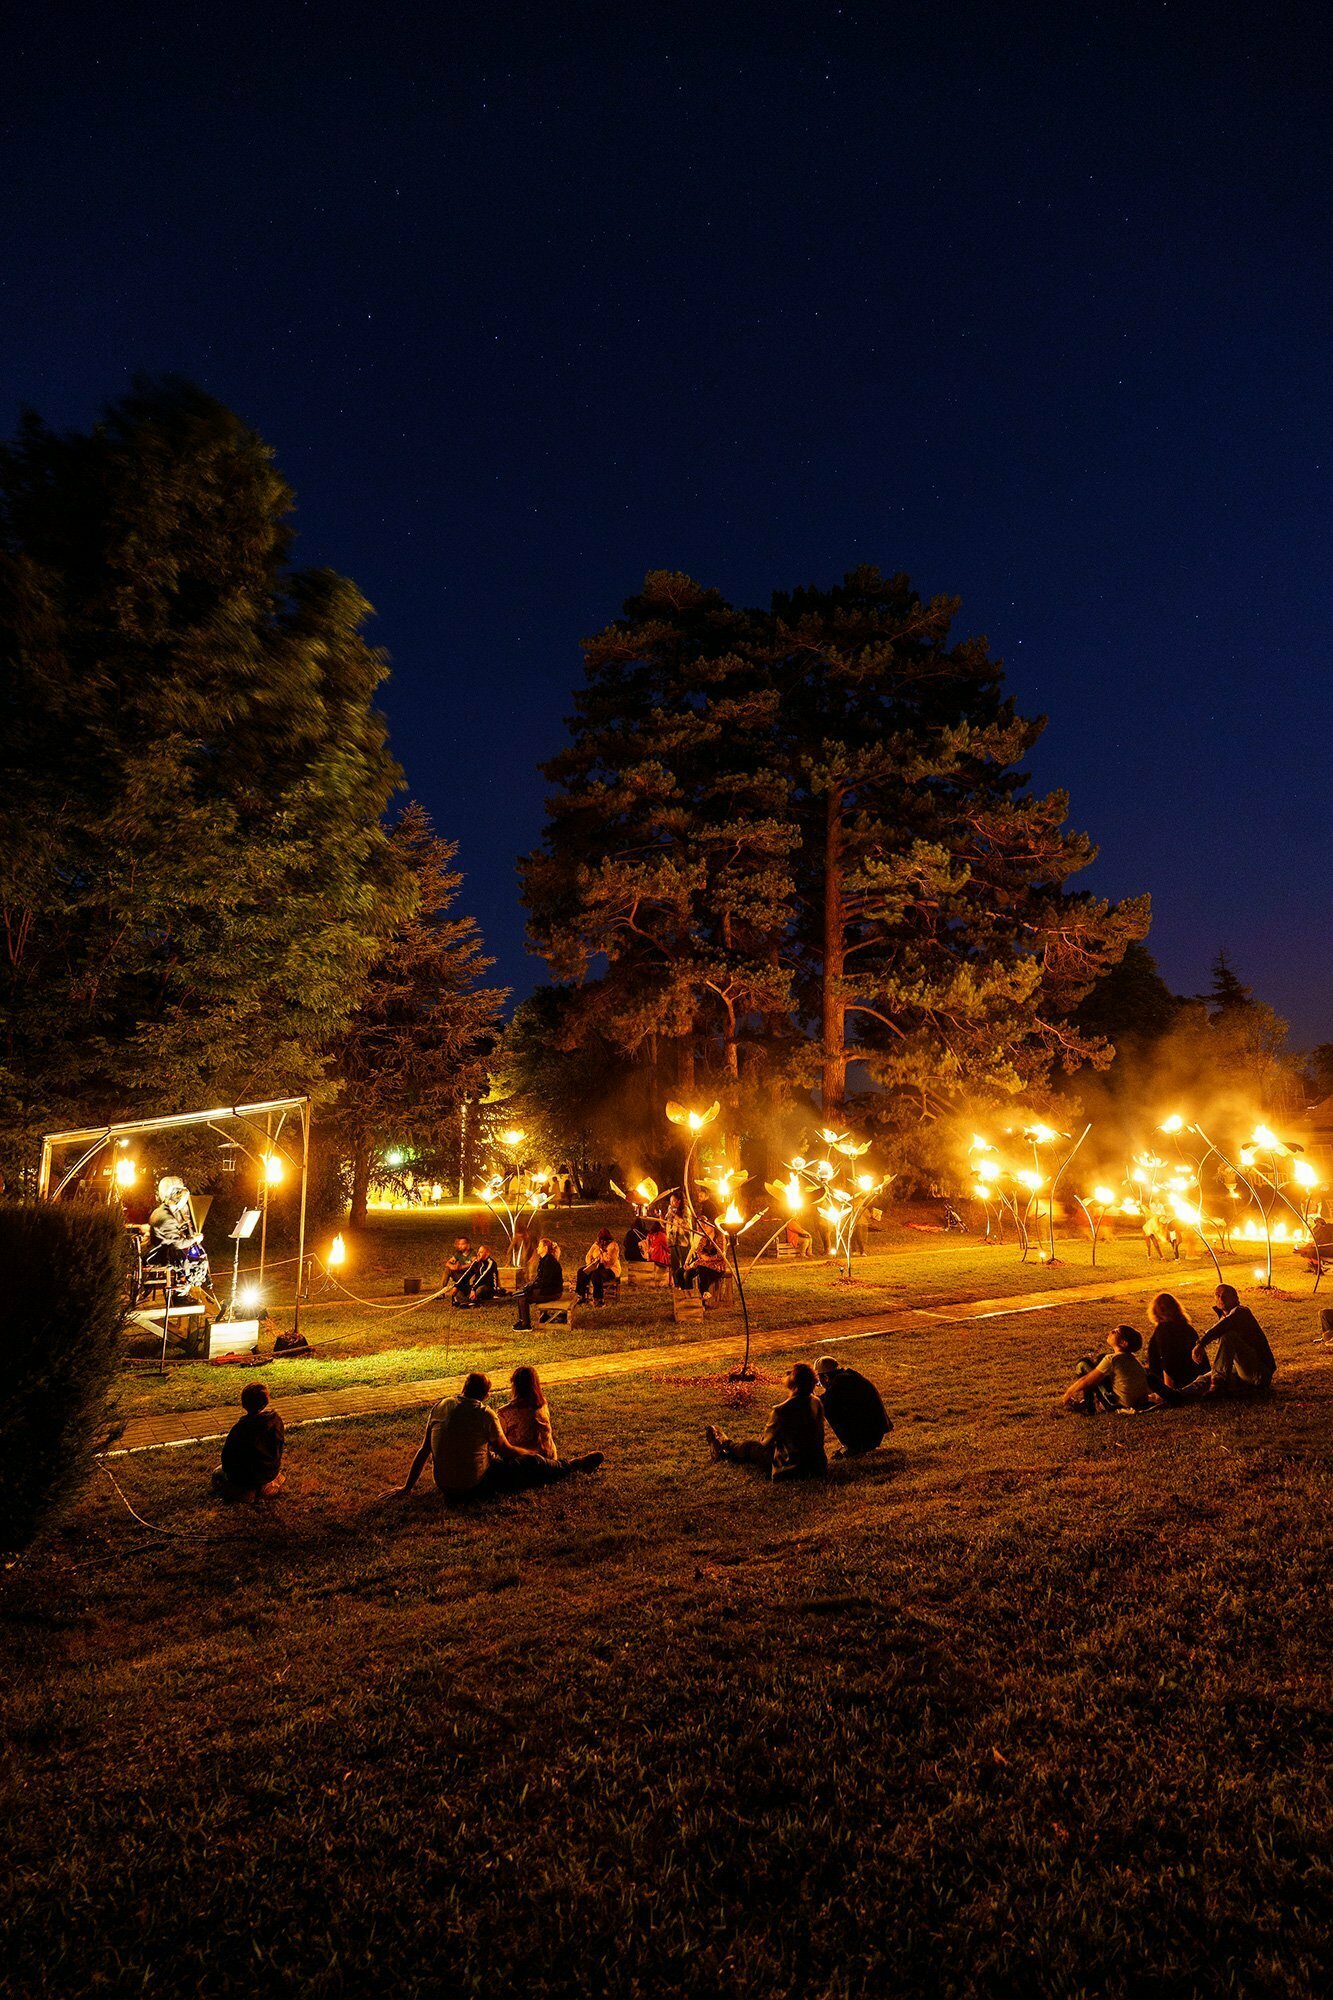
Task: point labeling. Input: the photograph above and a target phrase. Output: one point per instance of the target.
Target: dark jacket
(252, 1454)
(548, 1280)
(855, 1411)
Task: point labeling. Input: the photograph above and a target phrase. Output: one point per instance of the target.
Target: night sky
(1031, 302)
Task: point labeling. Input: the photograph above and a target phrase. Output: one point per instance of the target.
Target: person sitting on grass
(251, 1467)
(853, 1408)
(1242, 1362)
(792, 1446)
(526, 1421)
(1171, 1344)
(602, 1262)
(472, 1459)
(707, 1266)
(459, 1259)
(1117, 1382)
(480, 1281)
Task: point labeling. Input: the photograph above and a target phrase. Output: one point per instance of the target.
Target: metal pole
(263, 1194)
(300, 1242)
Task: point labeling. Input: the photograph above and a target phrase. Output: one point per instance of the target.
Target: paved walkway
(693, 1357)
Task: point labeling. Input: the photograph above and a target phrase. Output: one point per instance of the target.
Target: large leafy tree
(909, 908)
(194, 874)
(421, 1032)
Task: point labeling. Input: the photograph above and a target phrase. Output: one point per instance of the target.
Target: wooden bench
(647, 1274)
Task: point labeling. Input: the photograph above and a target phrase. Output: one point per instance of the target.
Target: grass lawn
(1025, 1704)
(381, 1342)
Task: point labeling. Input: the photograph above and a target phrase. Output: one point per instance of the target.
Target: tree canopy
(798, 843)
(194, 873)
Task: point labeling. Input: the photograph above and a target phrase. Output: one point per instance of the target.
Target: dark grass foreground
(1026, 1705)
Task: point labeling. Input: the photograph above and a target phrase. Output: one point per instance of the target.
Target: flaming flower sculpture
(1018, 1191)
(840, 1195)
(1267, 1166)
(1094, 1205)
(696, 1123)
(511, 1216)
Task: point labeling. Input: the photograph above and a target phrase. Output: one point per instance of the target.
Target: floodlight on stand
(250, 1297)
(126, 1172)
(273, 1168)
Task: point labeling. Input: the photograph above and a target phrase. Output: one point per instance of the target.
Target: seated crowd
(475, 1452)
(1232, 1358)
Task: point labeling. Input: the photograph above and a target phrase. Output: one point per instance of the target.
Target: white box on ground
(232, 1336)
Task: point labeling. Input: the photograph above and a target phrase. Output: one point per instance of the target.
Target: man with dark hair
(853, 1407)
(471, 1457)
(1118, 1381)
(458, 1260)
(792, 1446)
(480, 1281)
(1242, 1363)
(251, 1465)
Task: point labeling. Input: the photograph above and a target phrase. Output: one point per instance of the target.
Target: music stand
(244, 1230)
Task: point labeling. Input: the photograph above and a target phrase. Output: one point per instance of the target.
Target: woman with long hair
(525, 1418)
(1171, 1345)
(602, 1262)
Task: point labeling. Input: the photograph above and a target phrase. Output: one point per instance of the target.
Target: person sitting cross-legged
(853, 1407)
(251, 1467)
(1118, 1381)
(1241, 1362)
(792, 1446)
(601, 1263)
(458, 1259)
(470, 1456)
(480, 1281)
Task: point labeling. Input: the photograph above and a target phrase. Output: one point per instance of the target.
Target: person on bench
(548, 1277)
(792, 1446)
(655, 1246)
(480, 1282)
(708, 1259)
(251, 1467)
(601, 1263)
(853, 1407)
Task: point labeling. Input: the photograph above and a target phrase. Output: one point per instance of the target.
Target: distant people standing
(678, 1238)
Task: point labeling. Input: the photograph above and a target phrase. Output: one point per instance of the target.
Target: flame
(646, 1189)
(1103, 1194)
(733, 1218)
(1268, 1140)
(1029, 1179)
(1304, 1174)
(697, 1121)
(980, 1145)
(126, 1172)
(795, 1194)
(1043, 1134)
(1175, 1123)
(337, 1253)
(513, 1137)
(273, 1169)
(988, 1170)
(865, 1182)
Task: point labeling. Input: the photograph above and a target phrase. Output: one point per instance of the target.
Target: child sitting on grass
(1118, 1381)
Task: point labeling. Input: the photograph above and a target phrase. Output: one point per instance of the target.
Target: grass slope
(1026, 1704)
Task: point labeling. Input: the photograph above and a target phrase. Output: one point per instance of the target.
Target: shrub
(61, 1311)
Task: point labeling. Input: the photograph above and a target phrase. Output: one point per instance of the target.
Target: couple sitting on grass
(792, 1446)
(475, 1452)
(1180, 1367)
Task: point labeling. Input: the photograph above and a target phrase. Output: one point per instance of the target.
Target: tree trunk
(686, 1069)
(360, 1183)
(732, 1092)
(833, 1090)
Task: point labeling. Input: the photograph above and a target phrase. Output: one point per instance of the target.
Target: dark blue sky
(1032, 302)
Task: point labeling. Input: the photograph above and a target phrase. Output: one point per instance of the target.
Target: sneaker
(714, 1440)
(589, 1462)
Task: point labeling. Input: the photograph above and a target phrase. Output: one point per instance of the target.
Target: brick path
(327, 1406)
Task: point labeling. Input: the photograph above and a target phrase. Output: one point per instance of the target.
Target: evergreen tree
(1227, 993)
(849, 776)
(422, 1030)
(194, 877)
(1131, 1002)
